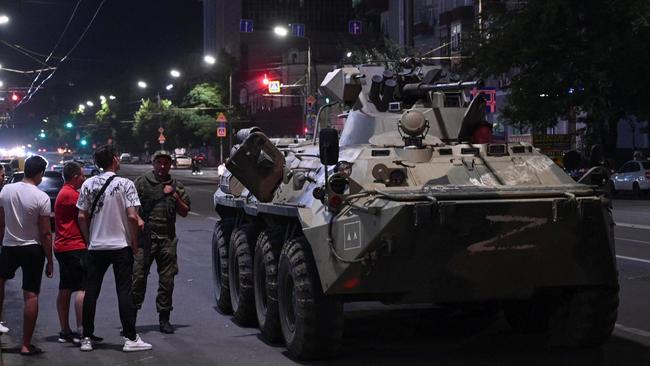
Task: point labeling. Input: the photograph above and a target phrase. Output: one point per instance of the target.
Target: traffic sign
(221, 118)
(354, 27)
(221, 132)
(161, 138)
(246, 25)
(298, 29)
(274, 86)
(311, 100)
(161, 130)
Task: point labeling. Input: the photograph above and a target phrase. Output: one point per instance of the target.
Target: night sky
(129, 39)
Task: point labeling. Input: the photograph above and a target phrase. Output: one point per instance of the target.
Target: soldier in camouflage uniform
(162, 197)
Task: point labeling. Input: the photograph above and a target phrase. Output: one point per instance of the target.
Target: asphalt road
(374, 334)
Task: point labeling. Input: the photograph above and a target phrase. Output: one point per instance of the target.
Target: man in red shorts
(70, 251)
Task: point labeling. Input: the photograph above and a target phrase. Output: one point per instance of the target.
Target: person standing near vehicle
(108, 220)
(70, 251)
(26, 243)
(162, 198)
(2, 176)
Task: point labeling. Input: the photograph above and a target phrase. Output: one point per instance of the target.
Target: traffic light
(265, 81)
(15, 98)
(83, 142)
(69, 125)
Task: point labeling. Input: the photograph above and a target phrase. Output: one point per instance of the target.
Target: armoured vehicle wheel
(267, 252)
(240, 274)
(584, 316)
(527, 316)
(220, 240)
(312, 323)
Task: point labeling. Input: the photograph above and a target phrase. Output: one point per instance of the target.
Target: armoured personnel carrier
(411, 204)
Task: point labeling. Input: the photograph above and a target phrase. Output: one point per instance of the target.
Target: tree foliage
(567, 55)
(187, 125)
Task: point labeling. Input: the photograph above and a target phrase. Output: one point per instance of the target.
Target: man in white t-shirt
(26, 242)
(108, 221)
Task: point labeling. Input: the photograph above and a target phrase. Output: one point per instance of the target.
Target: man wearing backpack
(108, 220)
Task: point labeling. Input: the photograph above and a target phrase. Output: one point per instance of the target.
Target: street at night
(374, 333)
(335, 182)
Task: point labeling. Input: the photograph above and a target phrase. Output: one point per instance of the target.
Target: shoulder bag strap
(99, 195)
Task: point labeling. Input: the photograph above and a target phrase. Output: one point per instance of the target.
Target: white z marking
(486, 245)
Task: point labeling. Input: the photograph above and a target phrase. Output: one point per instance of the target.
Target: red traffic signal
(15, 97)
(265, 81)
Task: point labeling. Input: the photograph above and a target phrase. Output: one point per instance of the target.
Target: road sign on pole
(221, 131)
(161, 139)
(221, 118)
(246, 25)
(274, 86)
(298, 29)
(354, 27)
(161, 130)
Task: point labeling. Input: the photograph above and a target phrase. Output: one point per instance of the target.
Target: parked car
(125, 158)
(633, 176)
(182, 161)
(51, 185)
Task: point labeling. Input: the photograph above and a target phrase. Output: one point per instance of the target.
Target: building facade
(322, 28)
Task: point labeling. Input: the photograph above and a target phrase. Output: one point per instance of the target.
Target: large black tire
(312, 323)
(584, 317)
(267, 254)
(220, 242)
(240, 274)
(527, 316)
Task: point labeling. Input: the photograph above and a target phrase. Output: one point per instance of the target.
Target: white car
(125, 158)
(182, 161)
(633, 176)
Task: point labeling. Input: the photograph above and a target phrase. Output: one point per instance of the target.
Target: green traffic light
(83, 142)
(41, 135)
(68, 125)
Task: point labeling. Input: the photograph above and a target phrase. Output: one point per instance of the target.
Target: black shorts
(73, 269)
(31, 258)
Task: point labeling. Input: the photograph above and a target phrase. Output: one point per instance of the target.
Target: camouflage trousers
(163, 252)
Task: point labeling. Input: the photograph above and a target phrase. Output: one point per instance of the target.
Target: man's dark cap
(161, 153)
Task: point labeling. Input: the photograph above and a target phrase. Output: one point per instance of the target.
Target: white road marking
(194, 213)
(212, 218)
(635, 331)
(633, 226)
(633, 259)
(633, 240)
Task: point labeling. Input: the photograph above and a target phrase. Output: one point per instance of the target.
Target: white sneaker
(3, 329)
(86, 344)
(137, 345)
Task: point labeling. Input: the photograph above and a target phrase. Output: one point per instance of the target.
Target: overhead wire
(83, 34)
(56, 45)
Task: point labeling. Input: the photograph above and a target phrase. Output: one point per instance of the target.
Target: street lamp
(4, 19)
(283, 32)
(112, 97)
(169, 87)
(90, 103)
(142, 84)
(175, 73)
(1, 84)
(209, 59)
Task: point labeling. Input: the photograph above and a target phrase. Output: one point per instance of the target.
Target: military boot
(165, 326)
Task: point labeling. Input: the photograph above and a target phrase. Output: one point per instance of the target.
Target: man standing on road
(2, 176)
(108, 220)
(26, 243)
(70, 251)
(162, 198)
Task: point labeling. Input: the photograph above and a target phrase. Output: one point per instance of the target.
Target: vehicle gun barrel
(419, 90)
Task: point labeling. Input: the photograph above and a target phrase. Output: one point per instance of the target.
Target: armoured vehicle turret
(411, 204)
